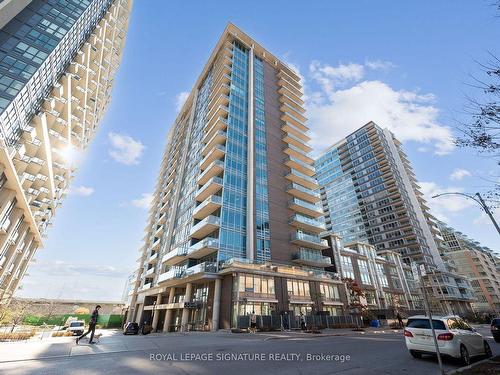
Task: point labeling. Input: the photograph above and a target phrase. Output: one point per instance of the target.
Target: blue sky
(404, 65)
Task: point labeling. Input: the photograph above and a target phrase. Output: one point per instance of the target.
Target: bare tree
(481, 131)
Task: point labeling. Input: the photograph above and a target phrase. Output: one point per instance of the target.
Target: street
(334, 351)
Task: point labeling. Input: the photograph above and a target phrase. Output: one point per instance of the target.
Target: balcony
(220, 99)
(205, 227)
(158, 232)
(296, 131)
(153, 258)
(218, 111)
(204, 247)
(173, 273)
(145, 287)
(216, 153)
(201, 268)
(212, 170)
(217, 139)
(309, 257)
(210, 188)
(309, 241)
(156, 244)
(306, 223)
(162, 219)
(306, 208)
(207, 207)
(150, 271)
(302, 179)
(303, 193)
(174, 256)
(300, 166)
(292, 100)
(297, 142)
(219, 124)
(298, 153)
(293, 95)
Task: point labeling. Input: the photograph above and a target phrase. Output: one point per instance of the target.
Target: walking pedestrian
(302, 322)
(253, 322)
(92, 324)
(400, 320)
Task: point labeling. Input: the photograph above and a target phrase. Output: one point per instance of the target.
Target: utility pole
(420, 277)
(479, 200)
(488, 212)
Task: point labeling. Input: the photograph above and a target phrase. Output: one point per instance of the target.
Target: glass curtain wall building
(57, 63)
(370, 194)
(236, 193)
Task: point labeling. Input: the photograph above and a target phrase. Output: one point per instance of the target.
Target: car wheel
(415, 354)
(464, 354)
(487, 350)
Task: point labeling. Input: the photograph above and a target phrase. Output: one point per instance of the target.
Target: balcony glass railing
(305, 204)
(314, 193)
(179, 251)
(303, 176)
(173, 273)
(213, 180)
(308, 221)
(213, 220)
(299, 150)
(309, 238)
(206, 242)
(202, 267)
(301, 163)
(211, 199)
(311, 256)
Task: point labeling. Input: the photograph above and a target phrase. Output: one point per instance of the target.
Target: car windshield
(495, 322)
(76, 324)
(424, 324)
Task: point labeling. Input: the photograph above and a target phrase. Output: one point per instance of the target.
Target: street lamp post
(479, 200)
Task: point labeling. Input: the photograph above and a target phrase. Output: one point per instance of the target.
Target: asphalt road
(241, 354)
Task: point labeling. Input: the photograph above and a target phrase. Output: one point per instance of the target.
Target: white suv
(454, 336)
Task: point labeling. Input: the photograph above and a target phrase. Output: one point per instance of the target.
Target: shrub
(61, 334)
(16, 336)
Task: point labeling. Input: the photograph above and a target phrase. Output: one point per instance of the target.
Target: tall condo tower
(58, 59)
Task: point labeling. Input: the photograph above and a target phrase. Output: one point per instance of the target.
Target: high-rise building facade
(476, 262)
(370, 194)
(58, 59)
(235, 223)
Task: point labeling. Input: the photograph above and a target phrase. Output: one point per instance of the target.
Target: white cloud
(458, 174)
(143, 202)
(180, 98)
(445, 205)
(329, 77)
(125, 149)
(83, 191)
(379, 65)
(336, 112)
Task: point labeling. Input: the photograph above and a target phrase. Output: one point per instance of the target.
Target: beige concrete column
(216, 307)
(156, 312)
(168, 314)
(185, 311)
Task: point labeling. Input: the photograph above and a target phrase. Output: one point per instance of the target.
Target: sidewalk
(114, 341)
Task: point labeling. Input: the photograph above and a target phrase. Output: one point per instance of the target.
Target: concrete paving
(333, 351)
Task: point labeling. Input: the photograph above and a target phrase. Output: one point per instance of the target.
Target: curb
(459, 370)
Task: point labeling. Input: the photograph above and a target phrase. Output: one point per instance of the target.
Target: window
(364, 272)
(329, 291)
(256, 284)
(381, 275)
(346, 264)
(298, 288)
(424, 324)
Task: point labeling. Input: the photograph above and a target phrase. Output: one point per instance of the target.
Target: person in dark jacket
(92, 324)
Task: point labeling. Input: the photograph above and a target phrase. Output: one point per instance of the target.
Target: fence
(105, 320)
(285, 322)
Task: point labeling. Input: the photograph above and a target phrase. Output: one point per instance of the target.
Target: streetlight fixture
(479, 200)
